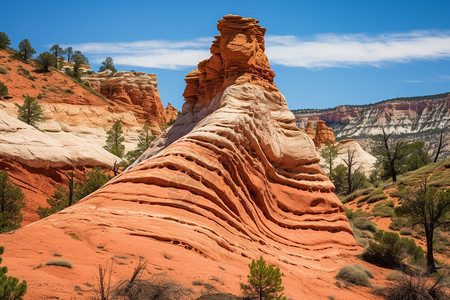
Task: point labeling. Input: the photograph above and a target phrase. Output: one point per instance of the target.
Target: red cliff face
(136, 89)
(232, 180)
(324, 134)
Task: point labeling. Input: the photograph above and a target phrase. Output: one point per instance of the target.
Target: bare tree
(354, 177)
(429, 207)
(443, 143)
(391, 154)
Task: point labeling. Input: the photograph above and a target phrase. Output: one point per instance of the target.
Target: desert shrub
(406, 231)
(157, 287)
(355, 274)
(365, 224)
(390, 203)
(3, 70)
(69, 91)
(394, 276)
(3, 89)
(10, 288)
(388, 250)
(398, 223)
(60, 263)
(382, 210)
(415, 288)
(356, 194)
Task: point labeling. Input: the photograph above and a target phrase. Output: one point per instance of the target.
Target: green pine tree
(115, 139)
(25, 49)
(30, 112)
(11, 202)
(4, 40)
(10, 288)
(264, 282)
(145, 138)
(107, 64)
(45, 60)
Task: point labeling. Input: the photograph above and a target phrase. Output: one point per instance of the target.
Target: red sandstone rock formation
(310, 130)
(232, 180)
(171, 112)
(136, 89)
(324, 134)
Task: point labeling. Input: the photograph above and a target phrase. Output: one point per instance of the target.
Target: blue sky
(324, 53)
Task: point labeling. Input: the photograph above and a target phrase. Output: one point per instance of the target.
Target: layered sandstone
(136, 89)
(232, 180)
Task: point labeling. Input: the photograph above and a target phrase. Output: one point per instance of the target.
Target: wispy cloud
(319, 51)
(437, 78)
(151, 54)
(332, 50)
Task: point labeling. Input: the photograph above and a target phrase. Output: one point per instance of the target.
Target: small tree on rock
(30, 112)
(145, 138)
(10, 288)
(79, 59)
(115, 139)
(264, 282)
(107, 64)
(4, 40)
(69, 52)
(45, 60)
(25, 49)
(57, 53)
(11, 202)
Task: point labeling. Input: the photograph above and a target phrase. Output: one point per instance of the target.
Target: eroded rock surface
(136, 89)
(233, 179)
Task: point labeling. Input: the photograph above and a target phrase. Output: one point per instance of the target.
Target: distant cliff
(414, 118)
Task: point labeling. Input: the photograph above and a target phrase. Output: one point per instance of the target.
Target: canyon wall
(414, 118)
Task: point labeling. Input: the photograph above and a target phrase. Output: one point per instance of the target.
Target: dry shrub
(157, 287)
(416, 288)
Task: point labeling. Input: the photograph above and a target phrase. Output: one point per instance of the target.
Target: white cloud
(319, 51)
(332, 50)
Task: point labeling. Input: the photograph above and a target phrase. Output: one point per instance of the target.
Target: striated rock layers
(233, 179)
(136, 89)
(413, 118)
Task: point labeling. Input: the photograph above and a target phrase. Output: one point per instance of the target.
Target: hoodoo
(232, 180)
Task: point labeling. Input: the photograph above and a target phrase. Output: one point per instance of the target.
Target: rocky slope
(414, 118)
(233, 179)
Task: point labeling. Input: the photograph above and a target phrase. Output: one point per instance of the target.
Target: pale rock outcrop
(364, 161)
(27, 145)
(232, 180)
